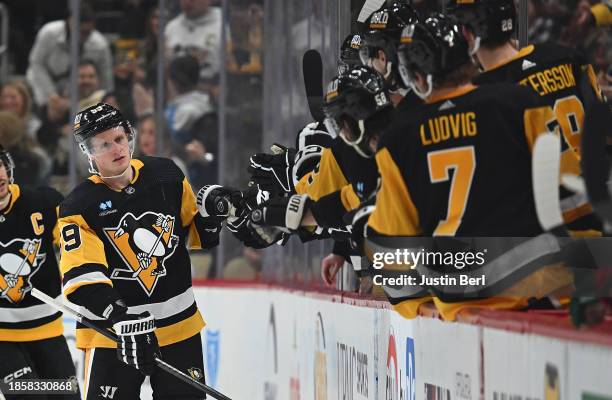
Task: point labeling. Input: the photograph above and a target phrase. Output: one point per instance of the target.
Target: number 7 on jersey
(463, 161)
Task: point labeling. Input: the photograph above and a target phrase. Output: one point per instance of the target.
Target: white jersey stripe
(161, 310)
(91, 277)
(15, 315)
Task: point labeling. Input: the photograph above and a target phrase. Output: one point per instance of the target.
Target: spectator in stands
(55, 132)
(32, 167)
(146, 73)
(49, 68)
(192, 121)
(544, 19)
(90, 92)
(147, 142)
(135, 21)
(246, 40)
(15, 97)
(197, 32)
(588, 17)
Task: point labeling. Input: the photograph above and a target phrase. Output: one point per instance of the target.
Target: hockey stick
(18, 272)
(546, 159)
(112, 336)
(368, 8)
(312, 68)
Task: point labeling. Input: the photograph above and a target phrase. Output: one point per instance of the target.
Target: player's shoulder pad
(550, 53)
(40, 198)
(337, 147)
(409, 103)
(508, 96)
(51, 197)
(164, 169)
(398, 133)
(80, 199)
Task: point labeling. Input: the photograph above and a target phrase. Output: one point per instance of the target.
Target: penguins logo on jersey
(20, 259)
(144, 243)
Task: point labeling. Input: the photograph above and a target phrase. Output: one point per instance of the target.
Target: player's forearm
(327, 212)
(99, 298)
(208, 230)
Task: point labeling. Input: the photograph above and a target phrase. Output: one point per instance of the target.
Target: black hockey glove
(249, 234)
(273, 172)
(252, 235)
(137, 345)
(283, 212)
(360, 225)
(219, 202)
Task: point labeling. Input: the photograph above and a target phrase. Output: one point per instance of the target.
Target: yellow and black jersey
(136, 241)
(326, 178)
(461, 166)
(554, 73)
(28, 229)
(340, 182)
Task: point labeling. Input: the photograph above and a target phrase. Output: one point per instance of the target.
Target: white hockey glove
(137, 345)
(284, 212)
(219, 202)
(314, 133)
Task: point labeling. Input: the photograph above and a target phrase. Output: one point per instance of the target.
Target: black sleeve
(342, 248)
(329, 210)
(51, 197)
(97, 298)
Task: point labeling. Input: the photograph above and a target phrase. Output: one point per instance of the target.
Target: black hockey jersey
(28, 229)
(340, 182)
(554, 73)
(461, 166)
(136, 240)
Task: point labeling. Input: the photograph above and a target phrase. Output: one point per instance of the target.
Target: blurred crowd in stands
(118, 65)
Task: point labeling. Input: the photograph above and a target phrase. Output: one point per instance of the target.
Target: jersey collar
(525, 51)
(136, 165)
(15, 193)
(455, 93)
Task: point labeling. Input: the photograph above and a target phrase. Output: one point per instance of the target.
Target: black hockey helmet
(384, 29)
(491, 21)
(357, 106)
(94, 120)
(435, 48)
(7, 161)
(349, 53)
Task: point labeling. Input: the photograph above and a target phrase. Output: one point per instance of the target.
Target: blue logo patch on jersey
(212, 356)
(360, 186)
(106, 208)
